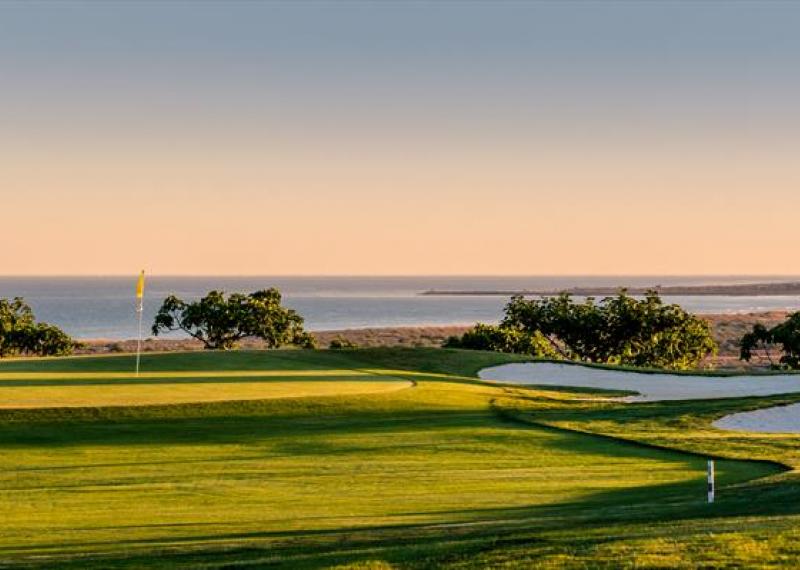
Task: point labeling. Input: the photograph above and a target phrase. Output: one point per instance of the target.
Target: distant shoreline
(727, 330)
(739, 290)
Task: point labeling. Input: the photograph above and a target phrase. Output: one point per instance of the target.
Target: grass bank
(445, 472)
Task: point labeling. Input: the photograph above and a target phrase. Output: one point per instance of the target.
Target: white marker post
(710, 481)
(140, 311)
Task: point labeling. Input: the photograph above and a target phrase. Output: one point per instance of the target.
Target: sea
(104, 307)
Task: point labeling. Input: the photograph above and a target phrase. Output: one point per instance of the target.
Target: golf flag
(140, 311)
(140, 288)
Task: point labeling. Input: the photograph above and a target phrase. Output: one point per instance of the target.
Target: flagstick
(140, 310)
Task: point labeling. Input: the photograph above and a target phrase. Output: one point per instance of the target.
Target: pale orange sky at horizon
(484, 146)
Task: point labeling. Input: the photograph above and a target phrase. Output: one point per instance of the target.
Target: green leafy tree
(220, 322)
(48, 340)
(20, 334)
(646, 332)
(15, 317)
(617, 330)
(341, 343)
(500, 339)
(785, 336)
(568, 327)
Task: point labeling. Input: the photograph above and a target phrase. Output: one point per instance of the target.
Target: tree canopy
(503, 339)
(20, 334)
(220, 321)
(785, 337)
(342, 343)
(617, 330)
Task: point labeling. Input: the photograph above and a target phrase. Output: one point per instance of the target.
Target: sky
(399, 138)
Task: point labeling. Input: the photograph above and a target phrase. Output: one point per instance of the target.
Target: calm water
(103, 307)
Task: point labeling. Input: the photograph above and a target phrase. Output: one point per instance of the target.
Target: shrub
(503, 339)
(21, 334)
(617, 330)
(785, 336)
(340, 343)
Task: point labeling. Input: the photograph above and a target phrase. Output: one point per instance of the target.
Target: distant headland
(735, 290)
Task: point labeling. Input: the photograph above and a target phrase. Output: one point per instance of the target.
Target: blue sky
(411, 123)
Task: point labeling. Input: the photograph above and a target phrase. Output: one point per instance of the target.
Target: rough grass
(448, 473)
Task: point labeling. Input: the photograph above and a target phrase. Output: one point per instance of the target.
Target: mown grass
(449, 472)
(44, 390)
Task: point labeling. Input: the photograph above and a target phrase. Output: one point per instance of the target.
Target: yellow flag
(140, 286)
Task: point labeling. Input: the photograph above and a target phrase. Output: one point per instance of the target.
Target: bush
(20, 334)
(617, 330)
(341, 343)
(503, 339)
(785, 336)
(48, 340)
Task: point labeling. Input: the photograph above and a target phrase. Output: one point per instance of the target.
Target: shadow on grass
(430, 360)
(455, 532)
(462, 532)
(182, 361)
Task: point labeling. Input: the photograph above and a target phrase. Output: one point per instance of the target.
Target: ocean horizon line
(396, 275)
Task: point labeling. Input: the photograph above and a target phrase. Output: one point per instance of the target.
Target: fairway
(305, 459)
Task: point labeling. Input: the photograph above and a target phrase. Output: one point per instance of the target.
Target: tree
(646, 332)
(568, 327)
(761, 341)
(47, 340)
(15, 317)
(617, 330)
(341, 343)
(500, 339)
(20, 334)
(220, 322)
